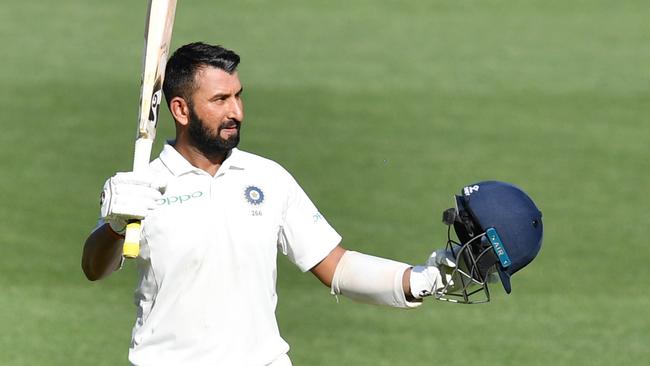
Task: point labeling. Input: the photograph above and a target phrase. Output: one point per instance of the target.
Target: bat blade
(157, 37)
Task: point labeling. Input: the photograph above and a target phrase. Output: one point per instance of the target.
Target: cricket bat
(157, 36)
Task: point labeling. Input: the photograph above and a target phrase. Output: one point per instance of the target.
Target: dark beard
(211, 145)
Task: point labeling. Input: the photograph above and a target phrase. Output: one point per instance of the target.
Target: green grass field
(382, 110)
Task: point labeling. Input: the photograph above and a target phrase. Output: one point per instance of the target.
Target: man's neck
(208, 163)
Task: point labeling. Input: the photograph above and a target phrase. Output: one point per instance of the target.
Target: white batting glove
(434, 275)
(129, 196)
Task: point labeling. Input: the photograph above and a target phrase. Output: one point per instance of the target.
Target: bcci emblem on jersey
(254, 195)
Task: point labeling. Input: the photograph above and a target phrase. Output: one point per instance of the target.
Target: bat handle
(131, 247)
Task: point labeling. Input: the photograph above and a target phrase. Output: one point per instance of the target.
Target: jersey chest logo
(254, 195)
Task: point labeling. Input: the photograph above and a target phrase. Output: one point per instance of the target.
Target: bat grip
(131, 247)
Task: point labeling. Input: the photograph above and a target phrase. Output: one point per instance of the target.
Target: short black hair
(187, 60)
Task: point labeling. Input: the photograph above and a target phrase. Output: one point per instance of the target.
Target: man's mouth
(230, 125)
(229, 129)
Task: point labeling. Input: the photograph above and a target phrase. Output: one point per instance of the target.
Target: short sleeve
(305, 236)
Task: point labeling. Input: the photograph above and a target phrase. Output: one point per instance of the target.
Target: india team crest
(254, 195)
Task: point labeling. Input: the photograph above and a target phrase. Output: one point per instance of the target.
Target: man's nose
(236, 110)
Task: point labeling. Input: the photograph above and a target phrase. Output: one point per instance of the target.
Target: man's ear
(180, 110)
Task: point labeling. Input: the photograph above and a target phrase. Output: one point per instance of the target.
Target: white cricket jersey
(207, 267)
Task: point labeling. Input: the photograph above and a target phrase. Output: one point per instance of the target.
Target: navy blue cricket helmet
(499, 228)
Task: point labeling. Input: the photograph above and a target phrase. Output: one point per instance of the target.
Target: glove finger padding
(441, 257)
(140, 179)
(130, 196)
(436, 274)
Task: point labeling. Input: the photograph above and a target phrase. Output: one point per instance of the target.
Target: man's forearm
(102, 253)
(373, 280)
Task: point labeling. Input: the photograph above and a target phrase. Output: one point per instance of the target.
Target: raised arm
(125, 196)
(102, 253)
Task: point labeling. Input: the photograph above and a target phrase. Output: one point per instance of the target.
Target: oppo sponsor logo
(172, 200)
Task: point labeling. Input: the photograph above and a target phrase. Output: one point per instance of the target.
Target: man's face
(215, 111)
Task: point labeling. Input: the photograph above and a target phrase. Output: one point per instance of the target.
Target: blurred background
(382, 110)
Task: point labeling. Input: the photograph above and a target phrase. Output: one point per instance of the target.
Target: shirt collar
(178, 165)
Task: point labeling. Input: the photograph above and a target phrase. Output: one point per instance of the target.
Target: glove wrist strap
(422, 281)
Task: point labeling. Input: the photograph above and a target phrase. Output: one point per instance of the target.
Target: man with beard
(214, 218)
